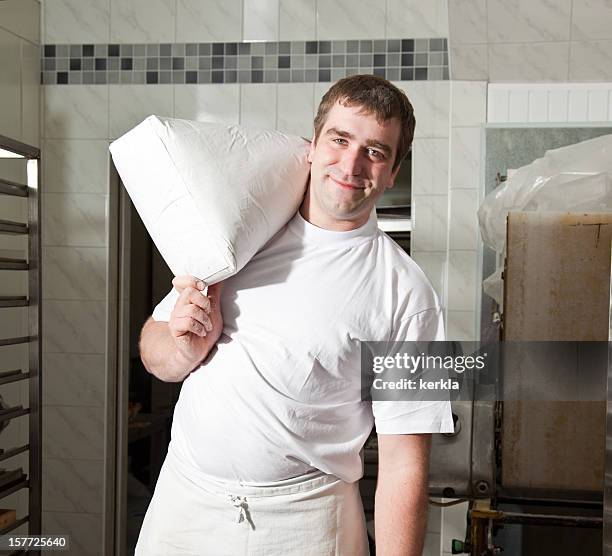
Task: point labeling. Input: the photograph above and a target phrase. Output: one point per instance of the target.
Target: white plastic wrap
(576, 178)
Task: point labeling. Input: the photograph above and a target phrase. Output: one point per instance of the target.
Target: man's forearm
(160, 355)
(400, 514)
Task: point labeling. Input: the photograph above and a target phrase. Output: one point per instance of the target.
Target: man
(269, 426)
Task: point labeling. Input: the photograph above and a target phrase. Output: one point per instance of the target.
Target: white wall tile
(22, 18)
(461, 326)
(142, 21)
(260, 20)
(417, 19)
(208, 103)
(73, 432)
(73, 379)
(75, 166)
(462, 280)
(297, 20)
(30, 93)
(434, 266)
(77, 21)
(78, 220)
(429, 221)
(431, 103)
(468, 103)
(72, 485)
(590, 61)
(497, 105)
(463, 219)
(558, 105)
(591, 19)
(578, 107)
(74, 273)
(467, 21)
(430, 165)
(295, 108)
(208, 20)
(85, 531)
(538, 106)
(525, 62)
(258, 105)
(469, 61)
(598, 101)
(75, 112)
(74, 327)
(350, 19)
(518, 106)
(10, 87)
(131, 104)
(527, 21)
(465, 163)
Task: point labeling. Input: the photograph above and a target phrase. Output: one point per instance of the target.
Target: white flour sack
(211, 195)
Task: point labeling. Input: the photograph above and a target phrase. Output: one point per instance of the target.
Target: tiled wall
(502, 41)
(19, 119)
(80, 120)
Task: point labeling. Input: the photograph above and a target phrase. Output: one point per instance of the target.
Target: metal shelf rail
(31, 193)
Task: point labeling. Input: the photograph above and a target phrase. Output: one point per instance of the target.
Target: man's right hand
(196, 321)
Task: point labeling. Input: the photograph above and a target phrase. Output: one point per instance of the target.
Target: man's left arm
(400, 511)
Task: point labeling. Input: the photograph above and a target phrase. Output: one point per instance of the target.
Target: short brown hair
(376, 96)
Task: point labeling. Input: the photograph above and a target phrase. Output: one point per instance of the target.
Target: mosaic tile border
(243, 62)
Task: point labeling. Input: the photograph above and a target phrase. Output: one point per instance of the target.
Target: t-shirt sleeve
(415, 416)
(164, 308)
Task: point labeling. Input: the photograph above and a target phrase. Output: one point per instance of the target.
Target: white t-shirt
(281, 395)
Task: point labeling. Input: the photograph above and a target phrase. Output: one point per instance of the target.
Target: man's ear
(394, 175)
(311, 149)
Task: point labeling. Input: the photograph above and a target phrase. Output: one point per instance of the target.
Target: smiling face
(351, 166)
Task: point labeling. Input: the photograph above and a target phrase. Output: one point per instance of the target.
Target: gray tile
(284, 76)
(244, 63)
(140, 50)
(88, 77)
(191, 49)
(407, 74)
(87, 64)
(297, 76)
(75, 78)
(49, 64)
(338, 60)
(244, 48)
(49, 78)
(178, 77)
(365, 46)
(178, 49)
(338, 47)
(271, 48)
(393, 74)
(152, 63)
(380, 47)
(352, 71)
(284, 47)
(436, 59)
(352, 60)
(421, 45)
(297, 61)
(311, 76)
(204, 49)
(100, 78)
(191, 63)
(338, 74)
(204, 63)
(393, 60)
(231, 62)
(297, 47)
(113, 77)
(365, 60)
(244, 76)
(100, 50)
(165, 63)
(270, 62)
(152, 49)
(62, 64)
(112, 64)
(258, 49)
(137, 77)
(420, 59)
(127, 50)
(139, 63)
(311, 61)
(165, 77)
(394, 45)
(75, 50)
(204, 77)
(165, 50)
(352, 46)
(230, 76)
(270, 76)
(437, 45)
(435, 73)
(62, 51)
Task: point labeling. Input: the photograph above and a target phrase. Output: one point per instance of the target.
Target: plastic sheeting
(576, 178)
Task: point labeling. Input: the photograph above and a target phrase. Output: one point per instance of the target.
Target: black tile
(325, 47)
(100, 63)
(165, 50)
(407, 60)
(284, 47)
(408, 45)
(152, 77)
(217, 62)
(352, 47)
(178, 63)
(420, 74)
(257, 63)
(62, 78)
(256, 76)
(324, 75)
(284, 62)
(113, 50)
(75, 64)
(312, 47)
(379, 60)
(216, 76)
(380, 72)
(88, 50)
(191, 77)
(126, 63)
(325, 61)
(407, 74)
(217, 49)
(49, 51)
(204, 49)
(231, 48)
(244, 48)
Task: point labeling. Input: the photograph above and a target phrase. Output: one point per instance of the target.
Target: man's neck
(318, 218)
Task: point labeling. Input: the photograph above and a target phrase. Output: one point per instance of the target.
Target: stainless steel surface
(607, 494)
